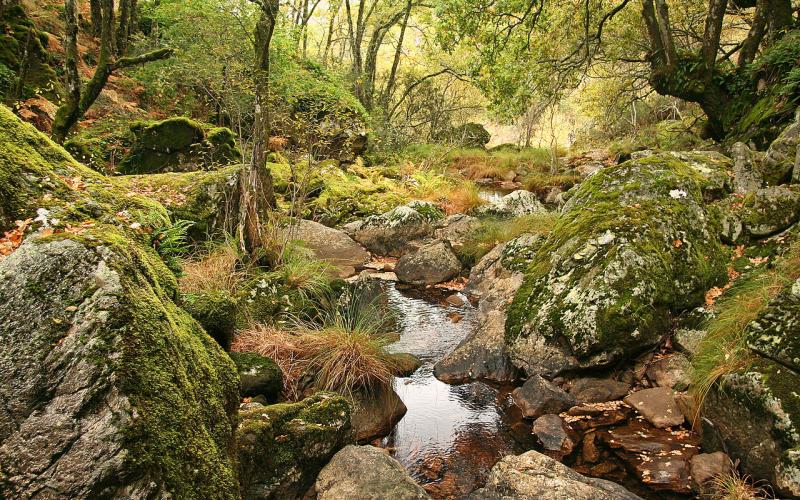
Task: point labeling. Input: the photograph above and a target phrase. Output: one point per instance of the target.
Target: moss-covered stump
(633, 245)
(216, 311)
(259, 376)
(178, 145)
(109, 389)
(200, 197)
(282, 448)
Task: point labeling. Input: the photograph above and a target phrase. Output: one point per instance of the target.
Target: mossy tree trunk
(256, 194)
(79, 97)
(695, 77)
(123, 30)
(97, 17)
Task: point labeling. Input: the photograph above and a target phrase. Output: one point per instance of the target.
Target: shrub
(493, 232)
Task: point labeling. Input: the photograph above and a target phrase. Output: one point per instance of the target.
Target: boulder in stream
(330, 245)
(533, 476)
(366, 473)
(636, 245)
(399, 230)
(538, 397)
(376, 413)
(430, 264)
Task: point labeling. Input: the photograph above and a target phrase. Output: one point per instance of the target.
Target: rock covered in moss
(759, 214)
(258, 376)
(399, 230)
(366, 473)
(109, 388)
(755, 414)
(199, 197)
(217, 313)
(178, 145)
(515, 204)
(431, 264)
(282, 447)
(774, 333)
(779, 162)
(633, 245)
(747, 176)
(21, 44)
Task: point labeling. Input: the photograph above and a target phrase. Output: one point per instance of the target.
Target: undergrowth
(492, 232)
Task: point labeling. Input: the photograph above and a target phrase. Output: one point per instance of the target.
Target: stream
(452, 435)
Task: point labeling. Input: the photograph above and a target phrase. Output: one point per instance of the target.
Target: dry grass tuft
(215, 270)
(733, 486)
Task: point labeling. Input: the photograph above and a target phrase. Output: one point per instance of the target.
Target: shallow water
(452, 435)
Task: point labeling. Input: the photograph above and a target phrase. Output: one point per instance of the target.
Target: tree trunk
(334, 10)
(256, 193)
(68, 114)
(392, 81)
(97, 17)
(123, 33)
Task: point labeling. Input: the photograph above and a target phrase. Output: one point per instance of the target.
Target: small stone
(670, 371)
(538, 397)
(405, 364)
(555, 435)
(455, 317)
(455, 300)
(688, 340)
(658, 406)
(589, 451)
(598, 390)
(705, 466)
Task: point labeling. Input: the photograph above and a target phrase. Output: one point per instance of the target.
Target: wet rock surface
(430, 264)
(375, 413)
(398, 231)
(557, 438)
(538, 396)
(658, 406)
(533, 475)
(366, 473)
(598, 390)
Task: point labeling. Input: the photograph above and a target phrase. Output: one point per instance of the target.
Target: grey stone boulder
(538, 397)
(366, 473)
(456, 229)
(688, 340)
(705, 467)
(781, 158)
(637, 245)
(774, 333)
(762, 213)
(534, 476)
(555, 436)
(375, 413)
(514, 204)
(657, 406)
(399, 230)
(105, 383)
(432, 263)
(281, 448)
(746, 174)
(330, 245)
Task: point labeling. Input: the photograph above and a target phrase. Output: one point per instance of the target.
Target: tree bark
(80, 98)
(123, 33)
(756, 34)
(256, 194)
(392, 80)
(97, 17)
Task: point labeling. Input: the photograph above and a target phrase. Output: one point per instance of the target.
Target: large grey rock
(330, 245)
(456, 229)
(515, 204)
(779, 162)
(670, 371)
(483, 354)
(637, 245)
(430, 264)
(399, 230)
(658, 406)
(538, 397)
(281, 448)
(533, 476)
(376, 413)
(366, 473)
(762, 213)
(598, 390)
(746, 174)
(107, 388)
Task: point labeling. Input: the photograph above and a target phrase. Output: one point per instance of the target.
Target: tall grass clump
(733, 486)
(216, 268)
(299, 270)
(724, 350)
(340, 347)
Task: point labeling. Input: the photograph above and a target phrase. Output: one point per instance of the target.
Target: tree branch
(156, 55)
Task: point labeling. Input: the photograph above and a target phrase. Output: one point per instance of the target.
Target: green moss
(18, 34)
(259, 376)
(349, 196)
(216, 311)
(282, 447)
(178, 144)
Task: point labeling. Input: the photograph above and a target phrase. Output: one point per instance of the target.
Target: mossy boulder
(633, 245)
(216, 311)
(259, 376)
(283, 447)
(200, 197)
(355, 194)
(759, 214)
(109, 388)
(178, 145)
(781, 157)
(774, 334)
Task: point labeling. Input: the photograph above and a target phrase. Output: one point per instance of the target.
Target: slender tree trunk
(392, 81)
(68, 114)
(334, 10)
(756, 34)
(256, 193)
(122, 29)
(97, 17)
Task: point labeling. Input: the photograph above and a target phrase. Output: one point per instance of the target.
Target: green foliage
(492, 232)
(18, 36)
(171, 242)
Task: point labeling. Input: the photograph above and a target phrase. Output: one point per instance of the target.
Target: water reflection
(452, 435)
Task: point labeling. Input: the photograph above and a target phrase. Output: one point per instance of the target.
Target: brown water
(452, 435)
